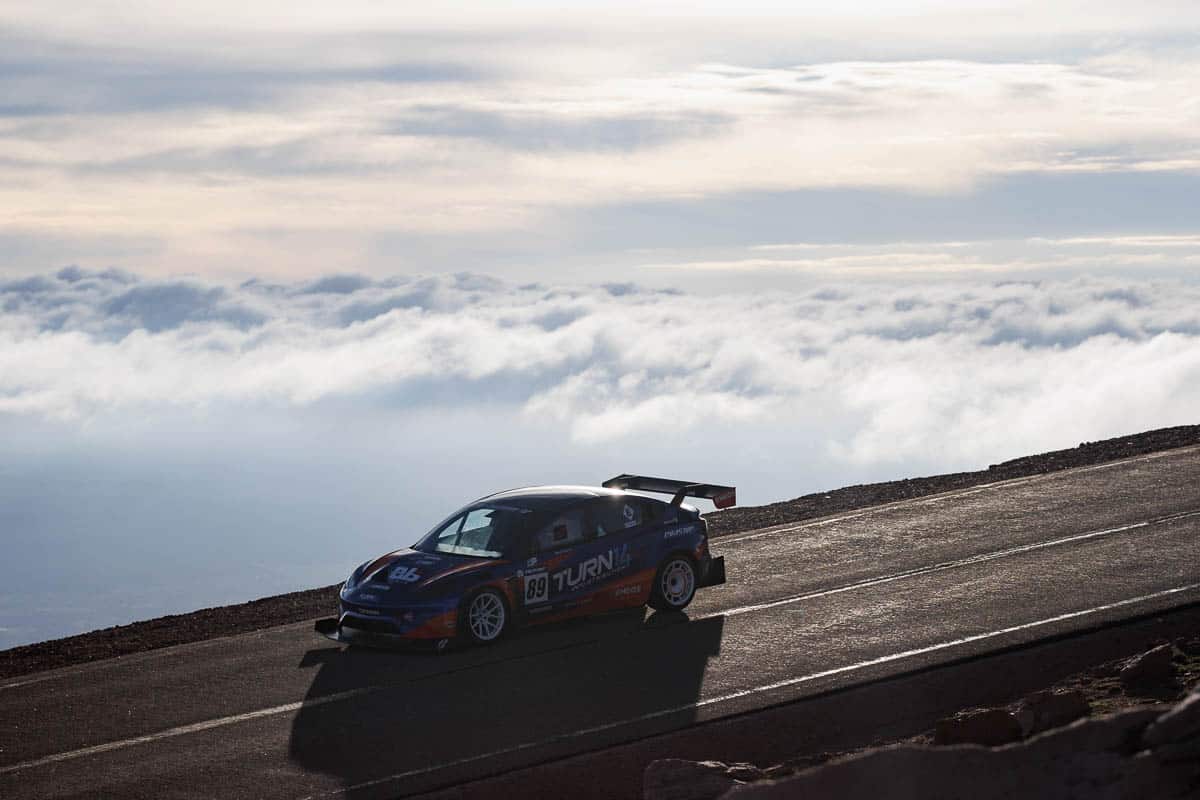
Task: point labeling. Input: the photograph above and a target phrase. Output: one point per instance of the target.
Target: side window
(613, 515)
(605, 517)
(479, 529)
(565, 530)
(448, 533)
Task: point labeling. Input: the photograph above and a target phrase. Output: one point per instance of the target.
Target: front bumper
(334, 629)
(426, 620)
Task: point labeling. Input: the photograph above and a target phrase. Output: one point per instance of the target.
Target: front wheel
(674, 585)
(486, 617)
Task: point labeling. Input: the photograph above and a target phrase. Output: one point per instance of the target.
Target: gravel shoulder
(302, 605)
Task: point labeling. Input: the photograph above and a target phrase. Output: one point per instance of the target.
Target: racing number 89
(536, 588)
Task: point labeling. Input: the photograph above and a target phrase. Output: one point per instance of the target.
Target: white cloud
(303, 427)
(874, 373)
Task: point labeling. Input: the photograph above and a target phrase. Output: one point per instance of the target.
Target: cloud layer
(876, 372)
(174, 444)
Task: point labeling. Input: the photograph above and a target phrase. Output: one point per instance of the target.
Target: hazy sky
(279, 286)
(538, 141)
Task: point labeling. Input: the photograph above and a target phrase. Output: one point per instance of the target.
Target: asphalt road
(808, 607)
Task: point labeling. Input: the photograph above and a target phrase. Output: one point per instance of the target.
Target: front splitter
(332, 629)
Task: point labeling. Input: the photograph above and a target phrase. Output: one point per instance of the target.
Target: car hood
(402, 573)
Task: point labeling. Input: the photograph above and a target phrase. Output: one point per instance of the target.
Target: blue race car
(534, 555)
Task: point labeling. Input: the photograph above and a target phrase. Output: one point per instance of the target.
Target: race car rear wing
(722, 496)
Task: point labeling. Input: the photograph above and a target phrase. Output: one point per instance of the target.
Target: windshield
(481, 531)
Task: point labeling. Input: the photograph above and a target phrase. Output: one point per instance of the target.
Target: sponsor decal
(537, 587)
(590, 570)
(404, 575)
(625, 591)
(630, 516)
(370, 598)
(671, 533)
(531, 562)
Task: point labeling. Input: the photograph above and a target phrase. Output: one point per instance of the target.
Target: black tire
(674, 584)
(485, 617)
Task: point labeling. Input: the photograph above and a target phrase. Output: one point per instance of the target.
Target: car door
(553, 550)
(625, 523)
(571, 561)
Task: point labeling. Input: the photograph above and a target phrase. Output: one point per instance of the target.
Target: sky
(280, 286)
(233, 140)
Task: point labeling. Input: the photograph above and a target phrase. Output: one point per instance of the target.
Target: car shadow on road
(388, 724)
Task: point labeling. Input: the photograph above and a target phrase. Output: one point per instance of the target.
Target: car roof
(538, 498)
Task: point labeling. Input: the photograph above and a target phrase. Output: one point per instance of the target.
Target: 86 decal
(537, 587)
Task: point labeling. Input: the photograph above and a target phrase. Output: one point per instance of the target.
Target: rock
(678, 779)
(1044, 710)
(778, 771)
(1091, 759)
(1119, 733)
(989, 726)
(1151, 669)
(744, 772)
(1187, 750)
(1180, 723)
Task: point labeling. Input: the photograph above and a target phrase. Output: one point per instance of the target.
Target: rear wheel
(486, 616)
(674, 585)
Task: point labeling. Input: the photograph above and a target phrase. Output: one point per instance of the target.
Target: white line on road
(291, 707)
(950, 495)
(947, 565)
(762, 689)
(183, 729)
